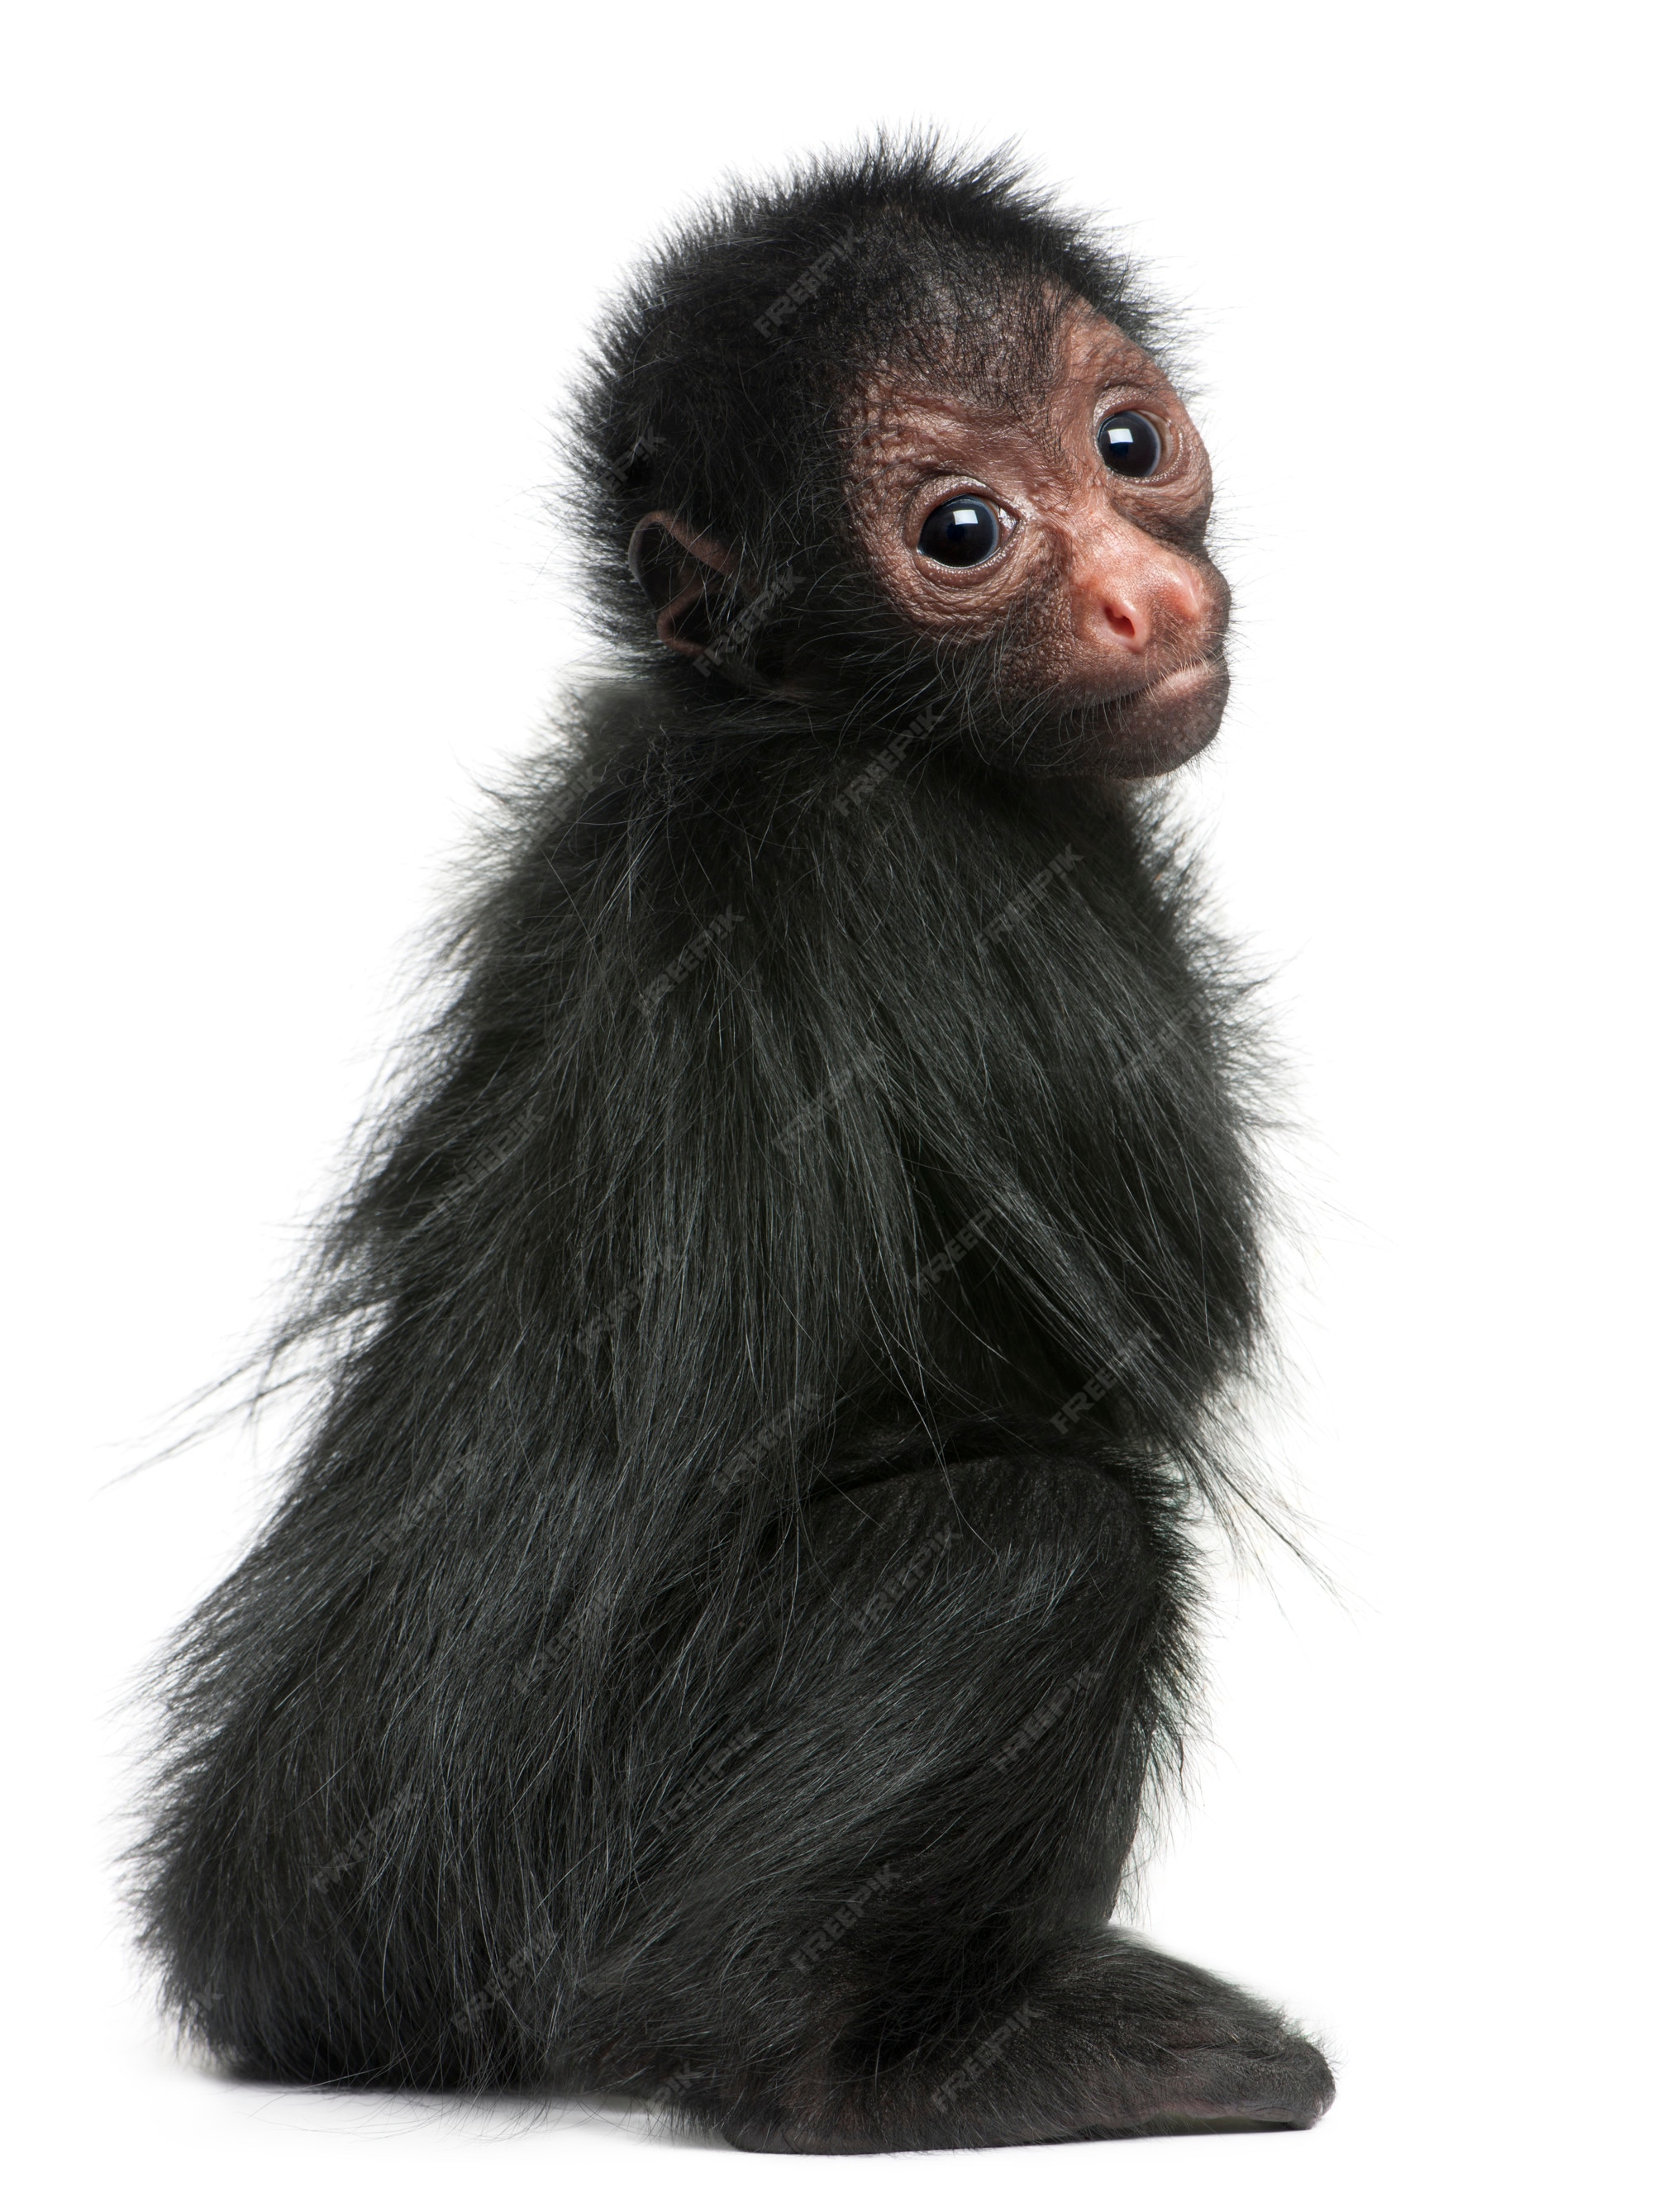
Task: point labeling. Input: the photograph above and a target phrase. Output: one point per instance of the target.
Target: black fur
(739, 1582)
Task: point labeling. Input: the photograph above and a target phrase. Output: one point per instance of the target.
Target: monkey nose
(1133, 607)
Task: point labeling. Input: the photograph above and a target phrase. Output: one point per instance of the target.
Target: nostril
(1123, 619)
(1189, 602)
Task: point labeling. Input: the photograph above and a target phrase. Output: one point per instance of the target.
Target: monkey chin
(1150, 732)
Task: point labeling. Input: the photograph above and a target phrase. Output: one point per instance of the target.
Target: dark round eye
(960, 533)
(1130, 444)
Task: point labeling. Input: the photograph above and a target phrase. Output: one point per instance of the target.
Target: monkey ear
(679, 571)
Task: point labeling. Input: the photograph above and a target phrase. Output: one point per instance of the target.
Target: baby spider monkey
(737, 1593)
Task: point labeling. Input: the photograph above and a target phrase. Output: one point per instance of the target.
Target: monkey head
(965, 480)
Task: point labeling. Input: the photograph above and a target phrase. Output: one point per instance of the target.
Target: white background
(292, 293)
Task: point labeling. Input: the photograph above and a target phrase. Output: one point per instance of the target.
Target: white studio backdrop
(293, 293)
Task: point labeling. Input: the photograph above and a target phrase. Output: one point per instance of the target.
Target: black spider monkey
(737, 1588)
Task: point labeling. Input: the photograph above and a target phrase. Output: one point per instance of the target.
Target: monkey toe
(1221, 2091)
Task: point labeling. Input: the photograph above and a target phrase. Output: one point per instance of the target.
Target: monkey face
(1061, 532)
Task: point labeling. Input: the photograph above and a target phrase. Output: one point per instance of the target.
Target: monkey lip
(1175, 684)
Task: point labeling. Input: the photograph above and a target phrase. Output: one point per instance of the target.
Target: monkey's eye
(1130, 444)
(961, 533)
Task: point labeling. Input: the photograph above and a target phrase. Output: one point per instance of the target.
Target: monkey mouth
(1184, 681)
(1166, 720)
(1192, 673)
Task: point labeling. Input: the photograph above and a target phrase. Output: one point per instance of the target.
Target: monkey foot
(1149, 2046)
(1195, 2093)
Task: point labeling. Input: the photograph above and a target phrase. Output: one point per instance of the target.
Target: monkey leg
(888, 1930)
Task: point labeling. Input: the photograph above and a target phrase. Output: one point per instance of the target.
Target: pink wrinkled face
(1071, 521)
